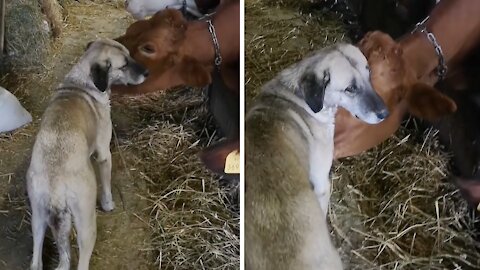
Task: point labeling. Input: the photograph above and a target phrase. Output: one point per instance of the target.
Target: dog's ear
(428, 103)
(88, 45)
(120, 39)
(99, 75)
(313, 89)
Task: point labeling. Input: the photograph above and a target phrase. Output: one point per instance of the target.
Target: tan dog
(289, 151)
(76, 126)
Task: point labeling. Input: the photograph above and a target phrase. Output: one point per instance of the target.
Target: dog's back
(61, 181)
(285, 227)
(60, 166)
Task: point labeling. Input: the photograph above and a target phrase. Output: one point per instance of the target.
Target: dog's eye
(124, 66)
(367, 68)
(350, 89)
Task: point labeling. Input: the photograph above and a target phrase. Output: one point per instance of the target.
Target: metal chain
(442, 65)
(184, 8)
(211, 29)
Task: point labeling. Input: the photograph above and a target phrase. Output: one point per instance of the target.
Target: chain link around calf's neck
(184, 8)
(442, 66)
(216, 46)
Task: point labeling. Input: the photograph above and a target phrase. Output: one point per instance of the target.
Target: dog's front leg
(104, 161)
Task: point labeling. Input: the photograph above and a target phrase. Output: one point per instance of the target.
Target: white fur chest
(321, 129)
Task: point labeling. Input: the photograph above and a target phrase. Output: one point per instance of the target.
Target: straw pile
(392, 207)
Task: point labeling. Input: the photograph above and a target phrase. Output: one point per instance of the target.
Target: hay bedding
(392, 207)
(195, 224)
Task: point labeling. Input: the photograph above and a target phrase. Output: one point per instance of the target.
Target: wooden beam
(2, 26)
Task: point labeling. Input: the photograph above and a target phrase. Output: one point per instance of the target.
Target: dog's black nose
(382, 114)
(145, 73)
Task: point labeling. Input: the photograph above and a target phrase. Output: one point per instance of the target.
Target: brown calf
(403, 73)
(178, 52)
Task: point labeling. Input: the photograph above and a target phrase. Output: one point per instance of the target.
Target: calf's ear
(170, 17)
(428, 103)
(368, 44)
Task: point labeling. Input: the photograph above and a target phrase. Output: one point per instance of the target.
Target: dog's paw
(107, 205)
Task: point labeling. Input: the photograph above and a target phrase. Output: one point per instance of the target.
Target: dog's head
(340, 76)
(110, 63)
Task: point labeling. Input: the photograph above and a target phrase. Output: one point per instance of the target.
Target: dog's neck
(79, 77)
(319, 127)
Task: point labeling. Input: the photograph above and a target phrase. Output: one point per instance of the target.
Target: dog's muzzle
(382, 114)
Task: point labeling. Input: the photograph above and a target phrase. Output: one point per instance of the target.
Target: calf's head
(157, 43)
(393, 78)
(340, 77)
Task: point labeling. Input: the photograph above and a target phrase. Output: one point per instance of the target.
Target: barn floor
(170, 212)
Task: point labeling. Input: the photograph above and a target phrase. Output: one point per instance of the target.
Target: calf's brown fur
(401, 90)
(158, 44)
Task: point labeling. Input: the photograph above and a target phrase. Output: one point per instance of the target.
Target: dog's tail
(60, 222)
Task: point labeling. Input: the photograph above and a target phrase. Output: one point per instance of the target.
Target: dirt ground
(135, 235)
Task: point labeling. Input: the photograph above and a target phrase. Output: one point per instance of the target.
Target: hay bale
(26, 39)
